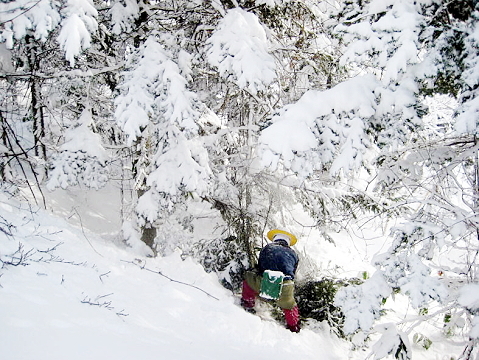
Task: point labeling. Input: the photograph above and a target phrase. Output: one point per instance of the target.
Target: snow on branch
(392, 342)
(81, 159)
(180, 168)
(469, 299)
(327, 125)
(154, 90)
(124, 15)
(361, 304)
(406, 271)
(467, 119)
(239, 49)
(183, 166)
(19, 17)
(79, 21)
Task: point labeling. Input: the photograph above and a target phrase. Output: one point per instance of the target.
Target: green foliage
(315, 300)
(423, 311)
(422, 340)
(447, 318)
(225, 257)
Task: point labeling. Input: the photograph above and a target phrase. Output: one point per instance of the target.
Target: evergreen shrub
(225, 257)
(315, 300)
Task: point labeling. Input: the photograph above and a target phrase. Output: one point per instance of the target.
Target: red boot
(292, 319)
(248, 297)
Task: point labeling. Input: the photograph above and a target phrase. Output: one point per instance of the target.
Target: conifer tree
(431, 169)
(38, 38)
(158, 114)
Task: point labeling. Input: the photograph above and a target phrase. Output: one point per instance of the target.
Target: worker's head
(276, 234)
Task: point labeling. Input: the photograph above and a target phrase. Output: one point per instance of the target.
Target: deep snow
(77, 294)
(48, 311)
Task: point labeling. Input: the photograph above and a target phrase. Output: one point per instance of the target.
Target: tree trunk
(148, 231)
(4, 143)
(148, 235)
(36, 107)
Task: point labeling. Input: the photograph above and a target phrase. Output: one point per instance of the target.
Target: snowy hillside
(68, 294)
(201, 125)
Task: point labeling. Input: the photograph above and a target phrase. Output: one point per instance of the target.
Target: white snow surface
(83, 295)
(79, 296)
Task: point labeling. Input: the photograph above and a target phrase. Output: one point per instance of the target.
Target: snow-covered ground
(67, 293)
(74, 295)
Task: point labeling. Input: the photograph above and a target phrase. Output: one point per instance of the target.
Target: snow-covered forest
(170, 136)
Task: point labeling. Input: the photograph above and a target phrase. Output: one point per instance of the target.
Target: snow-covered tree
(240, 52)
(238, 42)
(78, 22)
(265, 58)
(158, 115)
(253, 107)
(81, 158)
(431, 168)
(47, 98)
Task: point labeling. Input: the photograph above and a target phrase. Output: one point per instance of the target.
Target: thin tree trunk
(148, 231)
(4, 143)
(36, 108)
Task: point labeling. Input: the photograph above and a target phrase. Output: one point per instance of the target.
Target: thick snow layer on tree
(177, 169)
(16, 22)
(239, 49)
(81, 158)
(362, 304)
(76, 27)
(469, 296)
(123, 15)
(319, 119)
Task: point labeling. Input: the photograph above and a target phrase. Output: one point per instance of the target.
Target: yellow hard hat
(270, 235)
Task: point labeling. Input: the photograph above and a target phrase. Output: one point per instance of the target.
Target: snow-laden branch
(60, 74)
(239, 50)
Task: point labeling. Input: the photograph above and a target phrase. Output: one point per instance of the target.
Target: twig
(49, 250)
(7, 127)
(104, 304)
(83, 231)
(105, 274)
(19, 257)
(172, 280)
(24, 10)
(7, 225)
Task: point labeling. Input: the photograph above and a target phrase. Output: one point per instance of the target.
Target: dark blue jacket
(278, 256)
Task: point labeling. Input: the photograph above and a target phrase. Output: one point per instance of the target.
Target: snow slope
(69, 294)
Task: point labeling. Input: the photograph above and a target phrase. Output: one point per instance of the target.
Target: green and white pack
(271, 285)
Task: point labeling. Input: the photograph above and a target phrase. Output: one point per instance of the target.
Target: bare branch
(98, 301)
(172, 280)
